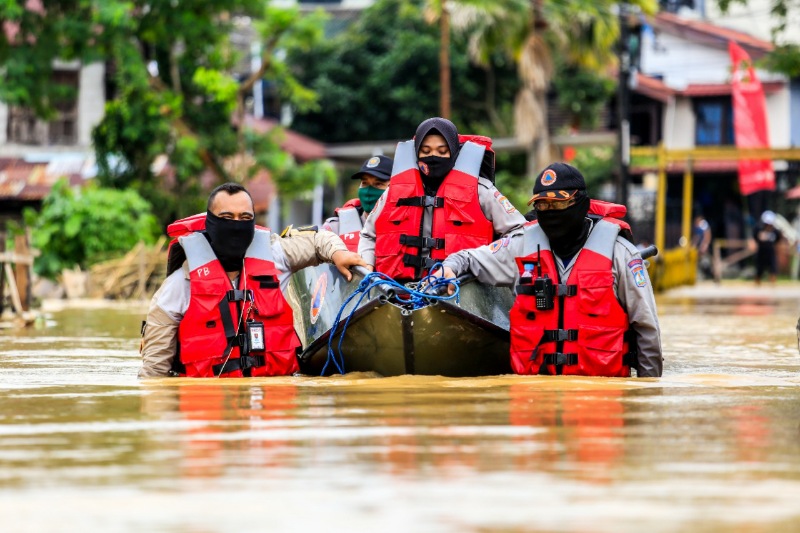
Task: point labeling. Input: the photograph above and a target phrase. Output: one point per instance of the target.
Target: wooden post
(22, 272)
(2, 273)
(12, 288)
(142, 275)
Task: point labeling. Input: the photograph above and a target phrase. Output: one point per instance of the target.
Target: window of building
(24, 127)
(714, 121)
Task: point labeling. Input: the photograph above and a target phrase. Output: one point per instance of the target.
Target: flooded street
(712, 446)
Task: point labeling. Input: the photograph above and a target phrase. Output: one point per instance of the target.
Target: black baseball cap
(379, 166)
(558, 181)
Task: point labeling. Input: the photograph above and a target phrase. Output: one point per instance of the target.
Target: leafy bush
(86, 226)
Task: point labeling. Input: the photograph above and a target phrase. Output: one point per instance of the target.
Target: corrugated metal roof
(23, 180)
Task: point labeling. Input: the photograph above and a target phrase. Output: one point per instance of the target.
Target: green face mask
(368, 196)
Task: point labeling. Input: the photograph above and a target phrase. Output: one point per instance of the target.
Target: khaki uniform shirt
(295, 251)
(497, 208)
(497, 266)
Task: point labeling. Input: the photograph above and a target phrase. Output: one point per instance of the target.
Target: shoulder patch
(498, 244)
(636, 266)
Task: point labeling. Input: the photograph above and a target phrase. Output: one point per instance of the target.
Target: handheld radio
(543, 290)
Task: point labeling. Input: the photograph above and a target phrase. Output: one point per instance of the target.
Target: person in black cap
(349, 219)
(584, 303)
(439, 201)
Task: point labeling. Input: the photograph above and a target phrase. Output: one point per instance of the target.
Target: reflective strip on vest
(601, 240)
(349, 221)
(199, 252)
(260, 248)
(405, 157)
(534, 239)
(470, 158)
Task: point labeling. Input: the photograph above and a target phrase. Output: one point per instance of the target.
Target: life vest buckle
(236, 295)
(558, 335)
(559, 359)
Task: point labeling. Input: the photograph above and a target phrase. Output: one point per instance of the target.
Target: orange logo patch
(549, 177)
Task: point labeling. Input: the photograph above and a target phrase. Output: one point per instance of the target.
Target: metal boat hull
(448, 339)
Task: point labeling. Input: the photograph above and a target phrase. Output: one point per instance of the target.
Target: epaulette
(290, 227)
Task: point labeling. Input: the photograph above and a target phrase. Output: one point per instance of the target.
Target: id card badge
(256, 332)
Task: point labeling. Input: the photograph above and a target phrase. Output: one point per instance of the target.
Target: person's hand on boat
(344, 259)
(445, 272)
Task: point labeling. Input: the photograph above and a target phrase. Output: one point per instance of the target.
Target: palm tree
(532, 33)
(440, 11)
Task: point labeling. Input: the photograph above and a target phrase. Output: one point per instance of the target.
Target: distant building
(682, 98)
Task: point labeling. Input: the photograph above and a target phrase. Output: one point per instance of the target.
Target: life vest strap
(558, 358)
(243, 363)
(558, 335)
(421, 201)
(422, 242)
(560, 290)
(418, 262)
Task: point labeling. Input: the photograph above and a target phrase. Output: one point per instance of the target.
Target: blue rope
(416, 299)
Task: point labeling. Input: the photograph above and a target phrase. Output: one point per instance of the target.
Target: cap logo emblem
(373, 162)
(548, 177)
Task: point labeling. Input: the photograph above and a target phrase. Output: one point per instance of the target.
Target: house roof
(657, 90)
(653, 88)
(303, 148)
(710, 34)
(29, 181)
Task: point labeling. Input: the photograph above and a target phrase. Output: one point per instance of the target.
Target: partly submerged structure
(389, 335)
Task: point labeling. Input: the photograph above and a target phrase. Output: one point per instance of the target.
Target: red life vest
(212, 332)
(585, 332)
(458, 220)
(350, 223)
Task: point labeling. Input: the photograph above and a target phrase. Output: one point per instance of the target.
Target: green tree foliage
(86, 226)
(172, 87)
(582, 93)
(379, 79)
(785, 58)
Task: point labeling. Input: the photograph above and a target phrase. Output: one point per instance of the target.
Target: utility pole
(623, 105)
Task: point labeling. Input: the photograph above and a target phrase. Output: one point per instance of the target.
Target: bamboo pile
(136, 275)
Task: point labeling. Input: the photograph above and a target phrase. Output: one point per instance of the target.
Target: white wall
(91, 100)
(682, 62)
(779, 118)
(755, 19)
(679, 124)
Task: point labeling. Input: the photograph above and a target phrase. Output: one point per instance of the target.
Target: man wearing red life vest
(349, 219)
(437, 203)
(223, 313)
(584, 303)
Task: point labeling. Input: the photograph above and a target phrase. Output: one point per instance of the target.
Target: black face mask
(229, 239)
(434, 169)
(566, 229)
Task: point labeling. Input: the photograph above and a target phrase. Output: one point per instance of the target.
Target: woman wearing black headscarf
(438, 202)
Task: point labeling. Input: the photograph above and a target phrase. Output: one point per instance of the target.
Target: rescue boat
(387, 335)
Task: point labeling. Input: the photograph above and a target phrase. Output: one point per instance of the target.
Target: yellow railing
(678, 266)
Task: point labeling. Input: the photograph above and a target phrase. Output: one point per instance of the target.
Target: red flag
(750, 122)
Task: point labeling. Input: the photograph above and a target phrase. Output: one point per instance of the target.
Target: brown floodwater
(714, 445)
